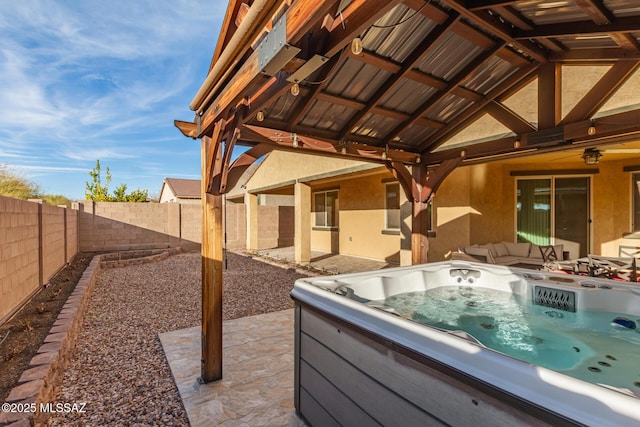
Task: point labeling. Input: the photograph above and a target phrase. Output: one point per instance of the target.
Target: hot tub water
(581, 344)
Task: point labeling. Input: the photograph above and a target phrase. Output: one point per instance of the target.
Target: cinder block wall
(275, 226)
(191, 222)
(37, 240)
(34, 244)
(106, 226)
(236, 226)
(72, 232)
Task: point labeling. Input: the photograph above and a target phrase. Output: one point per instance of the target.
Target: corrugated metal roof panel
(492, 73)
(407, 96)
(448, 108)
(356, 80)
(375, 126)
(415, 135)
(282, 107)
(544, 12)
(450, 56)
(327, 116)
(596, 41)
(397, 41)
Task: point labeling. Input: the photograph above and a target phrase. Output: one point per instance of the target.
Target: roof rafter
(499, 28)
(422, 50)
(601, 92)
(461, 76)
(467, 115)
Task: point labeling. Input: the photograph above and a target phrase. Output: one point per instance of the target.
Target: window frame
(387, 210)
(316, 211)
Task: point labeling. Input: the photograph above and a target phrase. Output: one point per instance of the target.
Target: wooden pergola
(392, 82)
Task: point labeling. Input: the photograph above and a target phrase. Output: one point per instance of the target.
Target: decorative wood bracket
(417, 184)
(218, 162)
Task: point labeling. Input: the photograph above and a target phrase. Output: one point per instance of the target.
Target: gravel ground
(118, 367)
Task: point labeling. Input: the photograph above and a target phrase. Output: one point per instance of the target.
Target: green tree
(95, 190)
(14, 185)
(99, 192)
(56, 200)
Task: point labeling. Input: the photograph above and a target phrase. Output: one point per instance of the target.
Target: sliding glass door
(534, 211)
(554, 210)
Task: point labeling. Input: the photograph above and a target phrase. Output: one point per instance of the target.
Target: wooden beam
(419, 187)
(599, 14)
(188, 129)
(301, 16)
(601, 91)
(501, 29)
(423, 49)
(211, 252)
(620, 25)
(549, 95)
(515, 80)
(509, 118)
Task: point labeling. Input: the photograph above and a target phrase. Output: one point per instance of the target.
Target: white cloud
(87, 80)
(98, 154)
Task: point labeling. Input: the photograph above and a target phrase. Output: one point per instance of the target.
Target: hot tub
(358, 361)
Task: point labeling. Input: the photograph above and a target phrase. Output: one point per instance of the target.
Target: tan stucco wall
(361, 220)
(475, 204)
(283, 166)
(492, 198)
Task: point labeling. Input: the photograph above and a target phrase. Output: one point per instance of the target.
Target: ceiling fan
(592, 156)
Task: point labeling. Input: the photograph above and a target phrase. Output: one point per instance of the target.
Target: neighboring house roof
(240, 188)
(183, 188)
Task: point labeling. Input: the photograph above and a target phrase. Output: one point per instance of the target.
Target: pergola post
(419, 187)
(212, 256)
(419, 240)
(302, 238)
(251, 207)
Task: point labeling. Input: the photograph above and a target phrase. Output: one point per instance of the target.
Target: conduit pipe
(257, 17)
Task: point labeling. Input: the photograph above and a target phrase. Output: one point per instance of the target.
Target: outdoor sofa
(506, 253)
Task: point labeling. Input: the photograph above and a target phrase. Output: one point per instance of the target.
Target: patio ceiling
(435, 81)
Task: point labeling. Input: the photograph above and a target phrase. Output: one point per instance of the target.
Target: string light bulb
(592, 130)
(260, 116)
(356, 46)
(384, 153)
(294, 136)
(343, 150)
(295, 89)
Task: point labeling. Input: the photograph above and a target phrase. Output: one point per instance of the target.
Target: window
(635, 188)
(325, 207)
(392, 206)
(552, 210)
(393, 218)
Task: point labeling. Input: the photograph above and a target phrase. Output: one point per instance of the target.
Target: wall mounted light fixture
(591, 156)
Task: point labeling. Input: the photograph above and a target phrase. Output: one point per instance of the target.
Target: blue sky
(94, 79)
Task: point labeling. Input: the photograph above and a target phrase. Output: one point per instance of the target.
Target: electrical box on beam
(273, 50)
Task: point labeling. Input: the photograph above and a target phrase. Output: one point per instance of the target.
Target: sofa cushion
(481, 252)
(513, 260)
(518, 249)
(559, 251)
(501, 249)
(535, 252)
(491, 248)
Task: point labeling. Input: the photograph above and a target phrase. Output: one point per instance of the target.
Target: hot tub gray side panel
(359, 381)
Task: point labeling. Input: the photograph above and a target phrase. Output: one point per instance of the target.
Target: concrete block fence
(38, 240)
